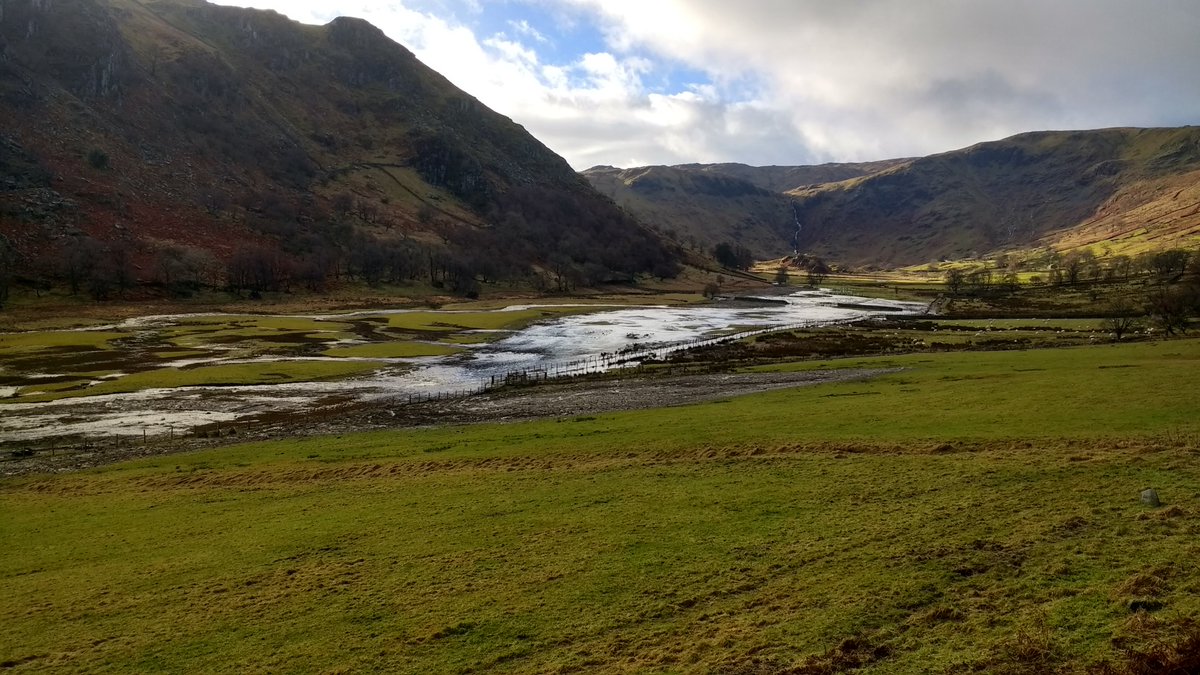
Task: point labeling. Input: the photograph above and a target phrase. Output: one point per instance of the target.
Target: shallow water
(542, 346)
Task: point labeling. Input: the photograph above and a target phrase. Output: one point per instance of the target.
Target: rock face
(1149, 497)
(210, 127)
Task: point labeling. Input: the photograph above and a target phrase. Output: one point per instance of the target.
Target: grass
(972, 513)
(22, 344)
(267, 323)
(1036, 324)
(393, 350)
(1049, 393)
(271, 372)
(481, 320)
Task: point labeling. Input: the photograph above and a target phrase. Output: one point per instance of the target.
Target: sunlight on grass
(393, 350)
(12, 344)
(271, 372)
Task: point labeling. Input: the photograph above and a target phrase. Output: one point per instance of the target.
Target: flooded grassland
(160, 375)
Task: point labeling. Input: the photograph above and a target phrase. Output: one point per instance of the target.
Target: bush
(98, 159)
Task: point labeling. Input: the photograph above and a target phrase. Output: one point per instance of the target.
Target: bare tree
(1122, 318)
(816, 272)
(955, 279)
(1169, 307)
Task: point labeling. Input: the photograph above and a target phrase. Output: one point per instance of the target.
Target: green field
(972, 512)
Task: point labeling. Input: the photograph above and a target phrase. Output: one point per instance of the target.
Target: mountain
(785, 178)
(1116, 190)
(177, 130)
(706, 204)
(1120, 191)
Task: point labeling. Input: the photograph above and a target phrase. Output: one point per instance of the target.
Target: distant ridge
(1122, 190)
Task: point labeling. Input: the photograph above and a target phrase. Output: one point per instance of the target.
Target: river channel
(552, 346)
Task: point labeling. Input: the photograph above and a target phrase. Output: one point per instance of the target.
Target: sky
(637, 82)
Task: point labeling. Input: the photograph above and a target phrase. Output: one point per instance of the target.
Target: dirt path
(545, 401)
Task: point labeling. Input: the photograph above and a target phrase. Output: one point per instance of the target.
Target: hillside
(700, 208)
(785, 178)
(182, 135)
(1117, 190)
(705, 204)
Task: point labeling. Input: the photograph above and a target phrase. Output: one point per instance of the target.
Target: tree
(711, 290)
(1168, 263)
(979, 280)
(1075, 265)
(1122, 319)
(1169, 308)
(8, 260)
(781, 276)
(817, 270)
(98, 159)
(955, 278)
(1010, 282)
(733, 256)
(78, 260)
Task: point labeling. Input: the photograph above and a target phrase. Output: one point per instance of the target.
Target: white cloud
(862, 80)
(522, 27)
(802, 81)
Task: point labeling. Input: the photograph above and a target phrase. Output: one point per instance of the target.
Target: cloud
(893, 77)
(522, 27)
(798, 81)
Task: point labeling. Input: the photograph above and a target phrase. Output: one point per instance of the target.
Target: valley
(314, 358)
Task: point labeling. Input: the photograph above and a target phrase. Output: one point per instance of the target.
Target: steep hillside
(701, 208)
(705, 204)
(785, 178)
(1116, 190)
(196, 132)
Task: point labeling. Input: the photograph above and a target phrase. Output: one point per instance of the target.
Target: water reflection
(554, 343)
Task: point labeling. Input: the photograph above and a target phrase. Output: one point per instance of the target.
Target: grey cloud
(898, 77)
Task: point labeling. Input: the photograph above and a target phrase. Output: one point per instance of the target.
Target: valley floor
(958, 512)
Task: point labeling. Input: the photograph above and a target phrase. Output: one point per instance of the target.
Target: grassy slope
(752, 533)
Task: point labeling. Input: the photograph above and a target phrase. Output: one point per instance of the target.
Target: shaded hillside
(785, 178)
(703, 205)
(701, 208)
(174, 125)
(1118, 190)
